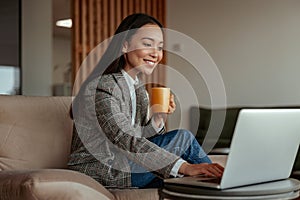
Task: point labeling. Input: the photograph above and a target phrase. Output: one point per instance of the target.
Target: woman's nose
(154, 52)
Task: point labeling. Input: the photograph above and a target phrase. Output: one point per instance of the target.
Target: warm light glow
(67, 23)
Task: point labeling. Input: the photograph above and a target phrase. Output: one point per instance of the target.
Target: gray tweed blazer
(104, 141)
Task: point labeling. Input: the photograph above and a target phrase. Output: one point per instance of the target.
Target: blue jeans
(180, 142)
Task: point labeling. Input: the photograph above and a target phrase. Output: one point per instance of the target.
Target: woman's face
(144, 50)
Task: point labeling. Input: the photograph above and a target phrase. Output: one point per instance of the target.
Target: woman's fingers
(205, 168)
(215, 170)
(172, 105)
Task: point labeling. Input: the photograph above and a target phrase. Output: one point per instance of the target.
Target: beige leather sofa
(35, 138)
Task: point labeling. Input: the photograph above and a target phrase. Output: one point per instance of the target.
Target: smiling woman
(144, 51)
(115, 139)
(100, 23)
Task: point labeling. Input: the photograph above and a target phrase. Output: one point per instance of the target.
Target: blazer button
(110, 162)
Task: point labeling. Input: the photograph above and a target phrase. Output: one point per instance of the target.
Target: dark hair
(113, 59)
(124, 32)
(132, 23)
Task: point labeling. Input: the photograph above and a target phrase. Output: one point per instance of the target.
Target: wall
(61, 59)
(9, 36)
(9, 47)
(255, 45)
(37, 47)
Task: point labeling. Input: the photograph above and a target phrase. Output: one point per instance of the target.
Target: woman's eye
(147, 45)
(160, 48)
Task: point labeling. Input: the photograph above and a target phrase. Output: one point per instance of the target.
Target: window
(10, 81)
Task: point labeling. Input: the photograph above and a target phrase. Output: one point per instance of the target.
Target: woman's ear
(125, 47)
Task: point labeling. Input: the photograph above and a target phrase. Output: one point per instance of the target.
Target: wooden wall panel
(96, 20)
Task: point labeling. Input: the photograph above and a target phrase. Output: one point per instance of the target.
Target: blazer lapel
(141, 103)
(120, 79)
(142, 100)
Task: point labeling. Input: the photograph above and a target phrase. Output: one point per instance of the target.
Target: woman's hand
(213, 169)
(172, 105)
(160, 118)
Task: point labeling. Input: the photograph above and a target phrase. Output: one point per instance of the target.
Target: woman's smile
(144, 50)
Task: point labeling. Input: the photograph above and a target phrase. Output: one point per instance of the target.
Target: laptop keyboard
(209, 179)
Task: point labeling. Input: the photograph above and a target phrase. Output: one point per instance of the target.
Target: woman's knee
(182, 133)
(186, 132)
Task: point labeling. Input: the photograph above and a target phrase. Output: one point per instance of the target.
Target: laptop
(263, 148)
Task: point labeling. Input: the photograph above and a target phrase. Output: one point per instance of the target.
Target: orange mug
(160, 99)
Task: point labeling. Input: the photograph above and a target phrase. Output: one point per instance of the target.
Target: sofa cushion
(50, 184)
(35, 132)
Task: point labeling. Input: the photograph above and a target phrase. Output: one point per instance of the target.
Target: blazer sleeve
(118, 129)
(149, 130)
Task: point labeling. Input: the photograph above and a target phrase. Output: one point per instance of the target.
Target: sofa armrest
(220, 151)
(50, 184)
(62, 190)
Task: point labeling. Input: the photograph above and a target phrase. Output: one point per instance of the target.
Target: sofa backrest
(35, 132)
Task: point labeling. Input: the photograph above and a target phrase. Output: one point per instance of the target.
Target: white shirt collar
(130, 81)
